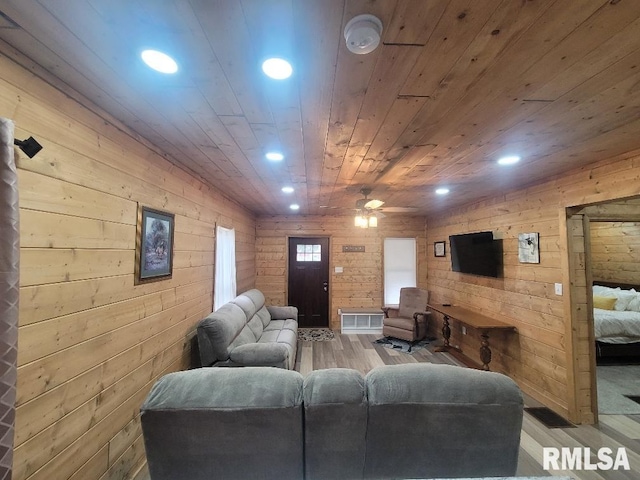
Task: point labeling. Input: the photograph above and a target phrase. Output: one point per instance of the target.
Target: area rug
(402, 345)
(315, 334)
(615, 384)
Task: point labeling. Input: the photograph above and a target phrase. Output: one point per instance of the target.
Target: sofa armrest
(260, 354)
(283, 313)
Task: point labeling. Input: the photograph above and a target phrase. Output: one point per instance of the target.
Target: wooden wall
(539, 356)
(615, 252)
(361, 283)
(91, 343)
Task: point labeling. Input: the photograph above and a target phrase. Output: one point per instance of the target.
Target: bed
(617, 326)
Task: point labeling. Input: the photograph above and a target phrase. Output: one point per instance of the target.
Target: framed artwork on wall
(439, 249)
(529, 247)
(154, 245)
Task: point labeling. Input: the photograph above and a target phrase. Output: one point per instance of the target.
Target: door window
(309, 253)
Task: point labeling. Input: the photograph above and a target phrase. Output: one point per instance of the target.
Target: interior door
(309, 280)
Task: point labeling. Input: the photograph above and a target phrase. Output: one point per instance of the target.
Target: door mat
(549, 418)
(402, 345)
(315, 334)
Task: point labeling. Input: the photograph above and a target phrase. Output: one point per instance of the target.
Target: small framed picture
(529, 247)
(154, 245)
(439, 249)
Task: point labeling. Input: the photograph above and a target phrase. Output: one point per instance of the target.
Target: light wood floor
(613, 431)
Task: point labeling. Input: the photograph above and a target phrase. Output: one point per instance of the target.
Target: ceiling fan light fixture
(373, 204)
(365, 219)
(362, 34)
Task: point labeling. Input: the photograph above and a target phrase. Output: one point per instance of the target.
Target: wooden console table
(480, 322)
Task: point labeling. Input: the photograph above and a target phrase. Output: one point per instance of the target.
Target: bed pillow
(604, 303)
(623, 297)
(634, 304)
(604, 291)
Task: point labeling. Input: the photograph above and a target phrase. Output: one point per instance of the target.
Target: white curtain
(225, 281)
(399, 267)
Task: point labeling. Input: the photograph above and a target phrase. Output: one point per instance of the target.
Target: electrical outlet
(464, 330)
(558, 288)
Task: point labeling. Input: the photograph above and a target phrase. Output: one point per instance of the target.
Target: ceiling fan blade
(400, 209)
(373, 204)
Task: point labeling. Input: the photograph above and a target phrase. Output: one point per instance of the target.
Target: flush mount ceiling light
(159, 61)
(274, 156)
(510, 160)
(442, 191)
(362, 34)
(294, 206)
(277, 68)
(287, 189)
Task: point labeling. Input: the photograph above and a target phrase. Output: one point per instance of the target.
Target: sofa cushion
(225, 423)
(335, 423)
(470, 422)
(250, 301)
(218, 330)
(269, 354)
(255, 324)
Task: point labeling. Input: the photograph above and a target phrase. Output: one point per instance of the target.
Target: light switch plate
(339, 269)
(558, 287)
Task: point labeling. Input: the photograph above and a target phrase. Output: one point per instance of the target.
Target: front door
(309, 280)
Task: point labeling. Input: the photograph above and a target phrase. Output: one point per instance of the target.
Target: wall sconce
(29, 146)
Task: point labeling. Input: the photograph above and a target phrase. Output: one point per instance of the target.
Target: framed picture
(529, 247)
(439, 249)
(154, 245)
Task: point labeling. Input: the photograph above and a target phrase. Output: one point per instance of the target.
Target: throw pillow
(604, 303)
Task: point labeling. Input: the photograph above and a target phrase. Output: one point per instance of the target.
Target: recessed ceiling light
(159, 61)
(294, 206)
(274, 156)
(510, 160)
(277, 68)
(287, 189)
(442, 191)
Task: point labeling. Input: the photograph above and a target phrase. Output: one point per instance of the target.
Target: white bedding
(613, 326)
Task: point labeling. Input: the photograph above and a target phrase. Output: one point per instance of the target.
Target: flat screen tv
(476, 253)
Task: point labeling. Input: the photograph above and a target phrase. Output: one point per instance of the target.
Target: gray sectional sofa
(245, 332)
(400, 421)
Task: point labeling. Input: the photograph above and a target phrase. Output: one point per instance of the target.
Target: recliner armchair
(410, 324)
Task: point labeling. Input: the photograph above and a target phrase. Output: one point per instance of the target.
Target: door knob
(325, 286)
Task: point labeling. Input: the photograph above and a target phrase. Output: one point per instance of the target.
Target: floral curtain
(9, 292)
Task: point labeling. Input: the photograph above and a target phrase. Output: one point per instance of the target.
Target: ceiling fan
(376, 206)
(368, 211)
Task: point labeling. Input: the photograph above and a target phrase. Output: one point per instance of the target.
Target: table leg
(485, 351)
(446, 334)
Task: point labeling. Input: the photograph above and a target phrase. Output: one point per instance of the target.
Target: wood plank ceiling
(455, 85)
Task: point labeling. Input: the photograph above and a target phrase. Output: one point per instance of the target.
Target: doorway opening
(603, 255)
